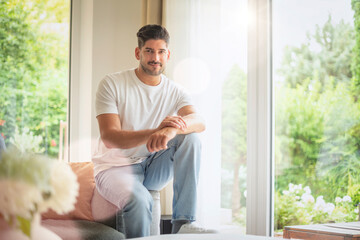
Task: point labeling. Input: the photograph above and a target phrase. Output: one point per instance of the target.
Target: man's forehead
(155, 44)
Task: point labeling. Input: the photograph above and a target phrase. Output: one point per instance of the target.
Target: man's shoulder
(118, 78)
(119, 75)
(173, 84)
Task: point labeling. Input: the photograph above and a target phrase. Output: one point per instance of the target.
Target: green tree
(316, 116)
(355, 66)
(234, 125)
(33, 68)
(299, 128)
(325, 55)
(314, 146)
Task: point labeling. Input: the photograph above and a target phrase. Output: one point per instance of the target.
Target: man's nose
(156, 57)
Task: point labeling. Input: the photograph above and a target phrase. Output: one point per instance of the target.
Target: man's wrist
(175, 130)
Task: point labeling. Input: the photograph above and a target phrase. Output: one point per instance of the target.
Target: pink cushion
(101, 208)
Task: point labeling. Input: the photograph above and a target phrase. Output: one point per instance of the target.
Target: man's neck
(146, 78)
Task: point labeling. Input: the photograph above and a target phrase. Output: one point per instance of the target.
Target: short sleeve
(183, 99)
(106, 97)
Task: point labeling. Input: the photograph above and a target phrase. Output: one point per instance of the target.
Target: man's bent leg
(182, 161)
(122, 186)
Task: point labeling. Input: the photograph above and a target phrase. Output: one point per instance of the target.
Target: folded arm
(114, 137)
(156, 139)
(193, 123)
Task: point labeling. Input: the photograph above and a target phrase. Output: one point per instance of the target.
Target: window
(316, 113)
(234, 112)
(209, 58)
(34, 56)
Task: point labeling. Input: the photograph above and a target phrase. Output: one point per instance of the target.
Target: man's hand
(159, 140)
(174, 122)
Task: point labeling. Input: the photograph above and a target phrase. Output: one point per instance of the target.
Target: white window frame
(259, 220)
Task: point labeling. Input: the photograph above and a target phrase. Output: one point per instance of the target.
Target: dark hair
(152, 31)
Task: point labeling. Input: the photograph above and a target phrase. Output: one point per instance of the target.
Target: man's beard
(152, 72)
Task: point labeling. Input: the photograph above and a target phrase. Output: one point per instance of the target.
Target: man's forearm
(129, 139)
(159, 139)
(126, 139)
(194, 123)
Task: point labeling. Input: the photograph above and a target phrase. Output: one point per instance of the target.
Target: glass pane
(234, 113)
(34, 60)
(317, 110)
(209, 58)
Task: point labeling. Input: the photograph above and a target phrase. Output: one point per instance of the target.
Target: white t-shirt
(139, 107)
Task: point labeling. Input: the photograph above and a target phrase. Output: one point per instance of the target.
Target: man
(148, 129)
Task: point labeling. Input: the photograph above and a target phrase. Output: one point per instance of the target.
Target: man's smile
(155, 64)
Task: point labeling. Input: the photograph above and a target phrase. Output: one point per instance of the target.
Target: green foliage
(299, 128)
(355, 66)
(354, 193)
(234, 118)
(33, 68)
(317, 131)
(317, 120)
(234, 125)
(313, 141)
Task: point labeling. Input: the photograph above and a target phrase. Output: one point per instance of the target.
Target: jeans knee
(141, 200)
(193, 139)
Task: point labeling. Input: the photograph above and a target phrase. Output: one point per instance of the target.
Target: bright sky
(291, 20)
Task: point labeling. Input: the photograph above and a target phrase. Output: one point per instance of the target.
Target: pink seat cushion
(101, 208)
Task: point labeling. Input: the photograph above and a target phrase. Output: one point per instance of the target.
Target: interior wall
(103, 41)
(115, 25)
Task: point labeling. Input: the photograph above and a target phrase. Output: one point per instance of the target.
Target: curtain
(152, 12)
(194, 27)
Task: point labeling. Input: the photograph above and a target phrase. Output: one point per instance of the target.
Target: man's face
(153, 56)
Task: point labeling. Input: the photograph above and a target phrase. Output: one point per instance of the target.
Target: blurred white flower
(329, 208)
(27, 141)
(62, 199)
(320, 199)
(307, 190)
(32, 183)
(291, 187)
(346, 199)
(307, 198)
(338, 199)
(300, 204)
(285, 192)
(18, 198)
(320, 204)
(356, 210)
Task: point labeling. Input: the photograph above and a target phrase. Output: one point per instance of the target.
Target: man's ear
(168, 57)
(137, 53)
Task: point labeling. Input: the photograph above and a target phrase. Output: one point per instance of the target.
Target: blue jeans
(127, 186)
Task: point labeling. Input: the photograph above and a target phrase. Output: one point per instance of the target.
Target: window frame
(259, 202)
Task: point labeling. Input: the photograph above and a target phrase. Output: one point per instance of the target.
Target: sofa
(93, 218)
